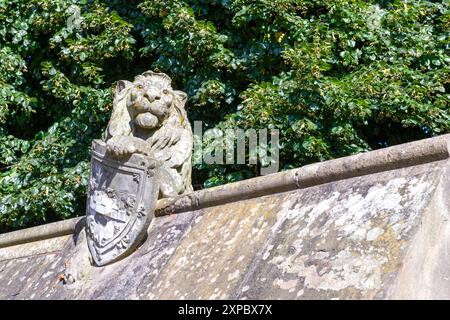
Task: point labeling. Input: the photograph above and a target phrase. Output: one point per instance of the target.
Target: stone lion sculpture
(149, 118)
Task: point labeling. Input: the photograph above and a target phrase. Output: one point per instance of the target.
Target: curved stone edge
(391, 158)
(46, 231)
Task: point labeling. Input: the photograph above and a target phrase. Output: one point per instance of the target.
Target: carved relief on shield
(120, 205)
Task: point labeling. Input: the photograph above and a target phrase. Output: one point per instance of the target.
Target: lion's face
(146, 105)
(149, 101)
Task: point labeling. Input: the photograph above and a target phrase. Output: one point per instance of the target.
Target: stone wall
(371, 226)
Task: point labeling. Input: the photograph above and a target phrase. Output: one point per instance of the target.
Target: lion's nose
(152, 95)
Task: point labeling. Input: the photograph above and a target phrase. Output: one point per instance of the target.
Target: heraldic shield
(121, 201)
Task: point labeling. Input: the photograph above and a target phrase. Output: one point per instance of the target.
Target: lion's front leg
(127, 145)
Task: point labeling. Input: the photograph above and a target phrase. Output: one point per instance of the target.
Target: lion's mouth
(146, 120)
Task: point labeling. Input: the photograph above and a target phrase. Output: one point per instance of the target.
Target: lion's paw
(121, 146)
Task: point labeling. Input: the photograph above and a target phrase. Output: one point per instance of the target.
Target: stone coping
(391, 158)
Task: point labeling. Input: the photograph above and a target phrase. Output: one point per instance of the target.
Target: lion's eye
(139, 86)
(165, 91)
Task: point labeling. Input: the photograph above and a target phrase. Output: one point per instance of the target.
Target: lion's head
(146, 104)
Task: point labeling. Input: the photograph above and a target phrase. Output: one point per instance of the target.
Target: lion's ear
(181, 96)
(121, 84)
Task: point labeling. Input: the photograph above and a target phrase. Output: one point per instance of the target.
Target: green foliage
(53, 102)
(335, 77)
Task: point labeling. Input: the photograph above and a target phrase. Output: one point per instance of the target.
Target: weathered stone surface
(131, 277)
(383, 235)
(19, 275)
(44, 281)
(343, 240)
(214, 256)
